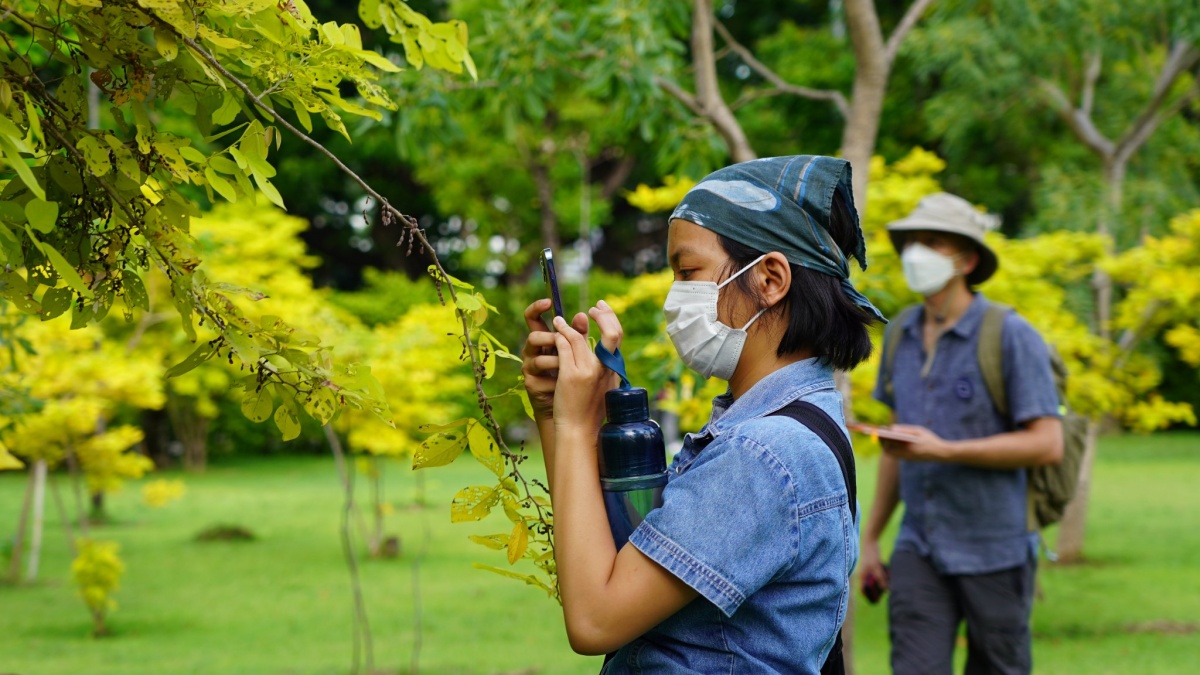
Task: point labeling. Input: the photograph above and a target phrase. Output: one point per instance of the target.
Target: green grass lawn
(282, 604)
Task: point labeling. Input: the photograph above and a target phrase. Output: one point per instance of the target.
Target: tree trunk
(39, 512)
(545, 192)
(708, 90)
(870, 86)
(14, 564)
(1074, 522)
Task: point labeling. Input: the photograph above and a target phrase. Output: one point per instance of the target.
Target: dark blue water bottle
(633, 461)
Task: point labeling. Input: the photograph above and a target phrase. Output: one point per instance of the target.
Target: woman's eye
(685, 274)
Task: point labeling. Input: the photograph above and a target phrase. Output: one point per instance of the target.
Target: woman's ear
(774, 277)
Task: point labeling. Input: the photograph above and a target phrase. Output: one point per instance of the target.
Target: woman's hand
(580, 399)
(539, 360)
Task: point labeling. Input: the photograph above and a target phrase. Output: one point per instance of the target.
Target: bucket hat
(944, 212)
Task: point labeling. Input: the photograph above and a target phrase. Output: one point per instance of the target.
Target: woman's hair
(821, 318)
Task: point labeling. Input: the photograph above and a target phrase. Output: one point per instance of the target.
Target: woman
(745, 567)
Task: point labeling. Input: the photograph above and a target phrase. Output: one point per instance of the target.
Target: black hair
(821, 317)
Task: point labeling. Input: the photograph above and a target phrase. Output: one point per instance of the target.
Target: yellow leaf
(439, 449)
(484, 448)
(473, 503)
(518, 541)
(492, 541)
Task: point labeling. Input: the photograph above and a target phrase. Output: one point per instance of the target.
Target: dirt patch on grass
(225, 533)
(1164, 627)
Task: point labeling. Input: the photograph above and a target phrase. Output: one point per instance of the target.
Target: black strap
(819, 422)
(827, 430)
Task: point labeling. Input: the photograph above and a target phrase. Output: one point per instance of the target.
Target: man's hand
(928, 446)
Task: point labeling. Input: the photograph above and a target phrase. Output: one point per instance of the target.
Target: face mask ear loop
(760, 313)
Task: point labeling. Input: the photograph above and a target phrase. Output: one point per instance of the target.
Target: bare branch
(907, 22)
(1129, 338)
(1090, 76)
(1182, 57)
(1083, 127)
(782, 86)
(684, 97)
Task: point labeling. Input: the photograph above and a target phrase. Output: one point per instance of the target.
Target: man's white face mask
(705, 345)
(925, 270)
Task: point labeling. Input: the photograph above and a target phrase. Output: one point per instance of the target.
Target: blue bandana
(781, 204)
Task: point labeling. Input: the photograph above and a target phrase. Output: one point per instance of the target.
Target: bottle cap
(627, 405)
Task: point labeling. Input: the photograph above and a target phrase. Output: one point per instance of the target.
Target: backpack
(1049, 488)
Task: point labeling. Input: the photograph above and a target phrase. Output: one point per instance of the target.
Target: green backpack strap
(890, 343)
(991, 354)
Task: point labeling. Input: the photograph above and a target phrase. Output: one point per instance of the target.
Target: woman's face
(696, 254)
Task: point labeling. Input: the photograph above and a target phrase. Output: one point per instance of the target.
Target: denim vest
(965, 519)
(758, 523)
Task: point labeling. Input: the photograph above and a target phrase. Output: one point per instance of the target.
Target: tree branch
(781, 86)
(682, 96)
(1090, 76)
(1081, 124)
(1182, 57)
(414, 231)
(907, 22)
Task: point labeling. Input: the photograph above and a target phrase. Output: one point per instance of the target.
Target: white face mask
(706, 345)
(926, 270)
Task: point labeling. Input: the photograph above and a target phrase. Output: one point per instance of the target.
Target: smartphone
(881, 432)
(551, 279)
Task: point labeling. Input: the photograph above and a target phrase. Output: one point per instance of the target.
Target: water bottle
(633, 461)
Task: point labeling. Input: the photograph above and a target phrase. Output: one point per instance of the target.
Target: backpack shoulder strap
(821, 424)
(990, 354)
(891, 341)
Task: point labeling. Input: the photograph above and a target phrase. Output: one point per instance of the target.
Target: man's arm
(1038, 443)
(887, 497)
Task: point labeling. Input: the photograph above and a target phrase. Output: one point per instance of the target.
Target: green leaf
(224, 165)
(496, 542)
(368, 11)
(257, 406)
(269, 190)
(484, 448)
(439, 449)
(432, 428)
(18, 164)
(65, 269)
(228, 111)
(94, 154)
(135, 291)
(55, 302)
(473, 503)
(287, 421)
(222, 186)
(42, 215)
(164, 41)
(198, 356)
(527, 578)
(468, 302)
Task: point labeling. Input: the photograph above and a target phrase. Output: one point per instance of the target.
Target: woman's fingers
(537, 342)
(580, 323)
(610, 326)
(533, 315)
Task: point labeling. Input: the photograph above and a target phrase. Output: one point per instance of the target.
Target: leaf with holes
(473, 503)
(439, 449)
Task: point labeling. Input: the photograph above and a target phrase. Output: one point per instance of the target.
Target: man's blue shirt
(967, 520)
(758, 522)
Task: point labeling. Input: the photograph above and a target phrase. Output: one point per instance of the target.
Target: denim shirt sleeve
(1028, 379)
(728, 524)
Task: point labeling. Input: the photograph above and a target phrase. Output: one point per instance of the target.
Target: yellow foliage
(159, 493)
(662, 198)
(8, 461)
(107, 461)
(97, 571)
(416, 359)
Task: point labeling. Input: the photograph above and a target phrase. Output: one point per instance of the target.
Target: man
(965, 550)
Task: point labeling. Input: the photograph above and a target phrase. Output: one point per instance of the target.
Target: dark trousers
(925, 609)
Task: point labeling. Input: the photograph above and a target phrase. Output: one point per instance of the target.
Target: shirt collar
(965, 327)
(769, 394)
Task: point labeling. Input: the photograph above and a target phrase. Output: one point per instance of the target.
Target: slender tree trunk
(871, 72)
(1074, 522)
(545, 192)
(14, 564)
(39, 512)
